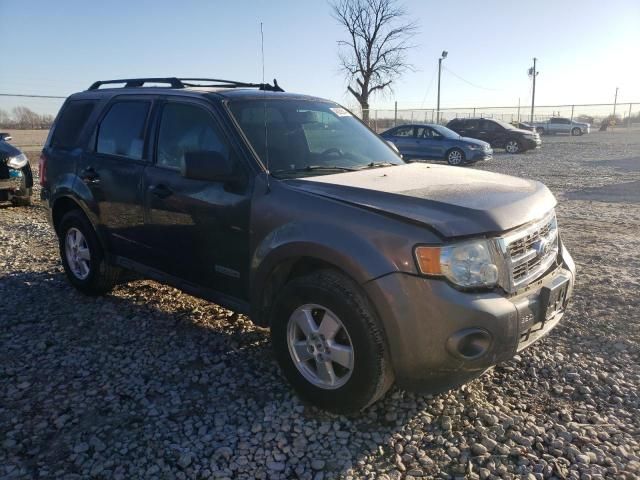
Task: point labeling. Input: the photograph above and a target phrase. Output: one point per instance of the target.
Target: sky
(585, 49)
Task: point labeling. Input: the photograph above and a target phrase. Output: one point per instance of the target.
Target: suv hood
(521, 131)
(7, 150)
(452, 200)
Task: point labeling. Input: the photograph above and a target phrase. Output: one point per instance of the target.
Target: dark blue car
(428, 141)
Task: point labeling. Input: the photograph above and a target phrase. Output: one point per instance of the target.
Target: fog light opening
(469, 344)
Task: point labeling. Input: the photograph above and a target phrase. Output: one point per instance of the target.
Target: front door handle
(161, 191)
(90, 176)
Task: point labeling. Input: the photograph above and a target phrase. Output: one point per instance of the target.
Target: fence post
(395, 115)
(572, 107)
(629, 117)
(432, 115)
(411, 116)
(474, 111)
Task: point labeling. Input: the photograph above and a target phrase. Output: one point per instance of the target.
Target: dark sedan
(430, 141)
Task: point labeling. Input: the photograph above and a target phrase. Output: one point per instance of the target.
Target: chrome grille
(529, 251)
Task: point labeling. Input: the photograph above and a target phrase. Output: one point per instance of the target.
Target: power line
(28, 96)
(470, 83)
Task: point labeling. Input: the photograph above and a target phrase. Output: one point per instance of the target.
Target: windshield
(445, 132)
(506, 125)
(303, 138)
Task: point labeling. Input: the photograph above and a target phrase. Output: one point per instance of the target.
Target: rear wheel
(575, 131)
(455, 157)
(329, 342)
(513, 146)
(82, 256)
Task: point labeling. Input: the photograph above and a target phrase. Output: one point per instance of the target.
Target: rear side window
(71, 122)
(121, 132)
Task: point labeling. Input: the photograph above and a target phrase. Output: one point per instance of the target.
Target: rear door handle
(90, 176)
(161, 191)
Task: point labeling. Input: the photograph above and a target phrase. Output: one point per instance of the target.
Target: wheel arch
(351, 257)
(66, 203)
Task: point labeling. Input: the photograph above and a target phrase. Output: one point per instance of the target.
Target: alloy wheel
(320, 346)
(512, 146)
(455, 157)
(77, 253)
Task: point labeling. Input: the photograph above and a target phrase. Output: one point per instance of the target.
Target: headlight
(468, 264)
(18, 162)
(472, 146)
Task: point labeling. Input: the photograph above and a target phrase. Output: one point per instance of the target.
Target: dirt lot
(151, 383)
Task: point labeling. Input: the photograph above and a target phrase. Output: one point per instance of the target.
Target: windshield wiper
(313, 168)
(377, 165)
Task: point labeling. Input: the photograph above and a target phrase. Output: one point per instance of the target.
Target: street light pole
(534, 73)
(444, 55)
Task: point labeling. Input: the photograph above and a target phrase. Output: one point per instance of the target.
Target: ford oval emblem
(541, 247)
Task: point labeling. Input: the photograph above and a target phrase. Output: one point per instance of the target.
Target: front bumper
(422, 317)
(531, 143)
(476, 156)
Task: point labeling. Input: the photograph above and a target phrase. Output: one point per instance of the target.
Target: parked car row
(468, 140)
(369, 271)
(462, 141)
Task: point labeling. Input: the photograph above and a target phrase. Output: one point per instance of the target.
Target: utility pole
(615, 102)
(444, 55)
(533, 73)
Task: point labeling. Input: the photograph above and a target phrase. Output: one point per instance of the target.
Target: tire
(576, 131)
(360, 377)
(513, 146)
(88, 271)
(22, 200)
(455, 157)
(22, 197)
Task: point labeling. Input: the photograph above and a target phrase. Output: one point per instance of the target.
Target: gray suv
(368, 270)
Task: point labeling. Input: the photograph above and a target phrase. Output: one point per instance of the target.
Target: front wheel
(513, 146)
(329, 342)
(576, 131)
(82, 256)
(455, 157)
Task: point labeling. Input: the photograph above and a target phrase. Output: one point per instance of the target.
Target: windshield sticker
(341, 112)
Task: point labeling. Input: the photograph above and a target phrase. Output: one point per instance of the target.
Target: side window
(426, 132)
(489, 126)
(187, 128)
(72, 120)
(405, 131)
(121, 132)
(471, 124)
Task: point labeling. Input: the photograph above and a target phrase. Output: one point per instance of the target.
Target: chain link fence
(618, 115)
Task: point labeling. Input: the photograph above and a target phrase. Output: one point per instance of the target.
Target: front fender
(356, 256)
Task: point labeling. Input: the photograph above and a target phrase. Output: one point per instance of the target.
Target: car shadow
(155, 373)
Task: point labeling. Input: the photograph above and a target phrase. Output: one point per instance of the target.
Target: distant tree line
(24, 118)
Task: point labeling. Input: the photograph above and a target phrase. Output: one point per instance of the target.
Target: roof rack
(174, 82)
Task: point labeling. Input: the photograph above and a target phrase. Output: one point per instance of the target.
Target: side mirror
(207, 165)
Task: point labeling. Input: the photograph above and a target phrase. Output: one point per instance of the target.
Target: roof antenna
(266, 131)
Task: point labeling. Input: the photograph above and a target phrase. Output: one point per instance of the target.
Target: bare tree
(375, 53)
(5, 120)
(25, 117)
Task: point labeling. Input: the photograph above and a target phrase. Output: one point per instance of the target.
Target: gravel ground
(151, 383)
